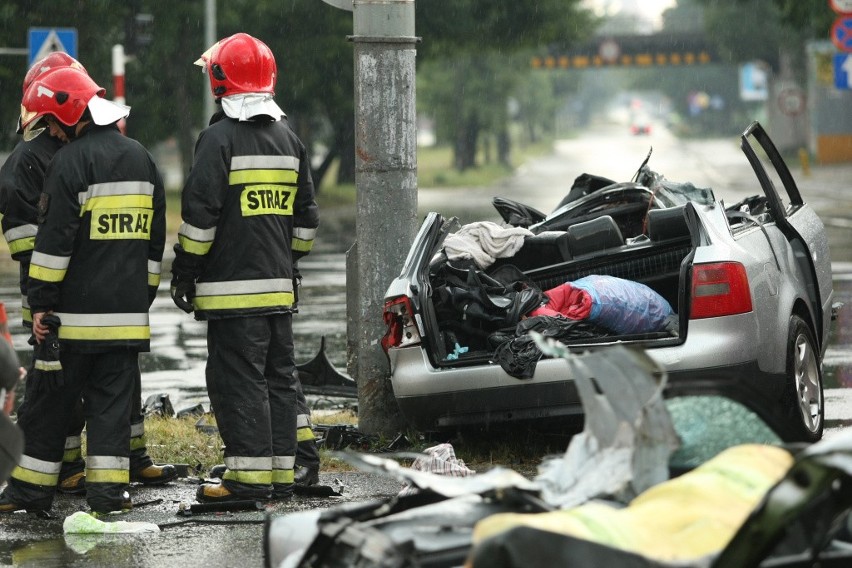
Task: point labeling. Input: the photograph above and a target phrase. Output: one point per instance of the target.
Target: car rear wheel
(804, 397)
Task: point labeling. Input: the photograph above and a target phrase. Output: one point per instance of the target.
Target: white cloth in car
(484, 242)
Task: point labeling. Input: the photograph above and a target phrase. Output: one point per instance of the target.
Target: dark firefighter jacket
(21, 181)
(99, 247)
(249, 213)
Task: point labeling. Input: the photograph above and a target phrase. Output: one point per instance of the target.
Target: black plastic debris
(345, 436)
(159, 405)
(197, 410)
(205, 427)
(319, 376)
(187, 510)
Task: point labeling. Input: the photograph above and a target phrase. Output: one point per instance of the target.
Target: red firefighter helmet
(64, 93)
(53, 60)
(239, 64)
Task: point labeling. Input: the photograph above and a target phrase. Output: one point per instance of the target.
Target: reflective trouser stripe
(107, 469)
(282, 469)
(249, 470)
(137, 436)
(305, 434)
(37, 472)
(73, 449)
(72, 455)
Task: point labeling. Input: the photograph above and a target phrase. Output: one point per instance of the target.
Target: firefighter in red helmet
(249, 214)
(93, 274)
(21, 181)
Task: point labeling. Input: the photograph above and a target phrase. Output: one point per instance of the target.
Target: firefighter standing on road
(249, 214)
(93, 274)
(21, 182)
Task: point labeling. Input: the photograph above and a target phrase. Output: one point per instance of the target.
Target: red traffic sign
(841, 33)
(841, 6)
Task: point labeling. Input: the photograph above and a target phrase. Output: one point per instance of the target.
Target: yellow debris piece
(682, 519)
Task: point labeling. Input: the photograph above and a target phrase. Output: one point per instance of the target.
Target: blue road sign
(843, 70)
(42, 41)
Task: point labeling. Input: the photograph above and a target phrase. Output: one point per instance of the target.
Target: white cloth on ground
(484, 242)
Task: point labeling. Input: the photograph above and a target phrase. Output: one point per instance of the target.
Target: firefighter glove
(183, 291)
(46, 370)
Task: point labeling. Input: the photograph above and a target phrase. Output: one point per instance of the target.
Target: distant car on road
(750, 286)
(640, 123)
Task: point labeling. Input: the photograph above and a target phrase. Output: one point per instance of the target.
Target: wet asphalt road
(208, 540)
(176, 366)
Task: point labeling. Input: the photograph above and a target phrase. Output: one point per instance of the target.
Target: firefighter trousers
(105, 383)
(72, 459)
(252, 384)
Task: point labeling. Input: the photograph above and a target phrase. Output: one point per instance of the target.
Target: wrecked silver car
(732, 299)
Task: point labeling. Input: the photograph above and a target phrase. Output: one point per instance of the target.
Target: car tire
(803, 392)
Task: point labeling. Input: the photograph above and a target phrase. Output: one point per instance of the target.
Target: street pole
(118, 64)
(209, 40)
(386, 187)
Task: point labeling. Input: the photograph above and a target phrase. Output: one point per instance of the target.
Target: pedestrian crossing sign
(43, 41)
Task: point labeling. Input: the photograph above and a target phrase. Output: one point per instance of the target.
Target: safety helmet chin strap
(71, 131)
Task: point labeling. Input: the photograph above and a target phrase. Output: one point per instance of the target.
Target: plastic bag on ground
(84, 523)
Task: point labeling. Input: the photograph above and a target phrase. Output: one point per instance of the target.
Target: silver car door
(797, 220)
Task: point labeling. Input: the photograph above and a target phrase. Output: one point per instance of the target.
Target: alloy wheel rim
(807, 384)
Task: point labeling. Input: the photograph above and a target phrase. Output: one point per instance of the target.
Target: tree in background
(474, 60)
(479, 44)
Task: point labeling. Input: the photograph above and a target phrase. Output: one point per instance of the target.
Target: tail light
(719, 289)
(402, 329)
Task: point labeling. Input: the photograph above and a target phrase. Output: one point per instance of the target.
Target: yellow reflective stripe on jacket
(117, 194)
(244, 177)
(154, 270)
(107, 469)
(47, 365)
(26, 312)
(48, 267)
(243, 301)
(259, 169)
(303, 239)
(264, 162)
(242, 294)
(21, 239)
(36, 471)
(104, 326)
(118, 202)
(194, 240)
